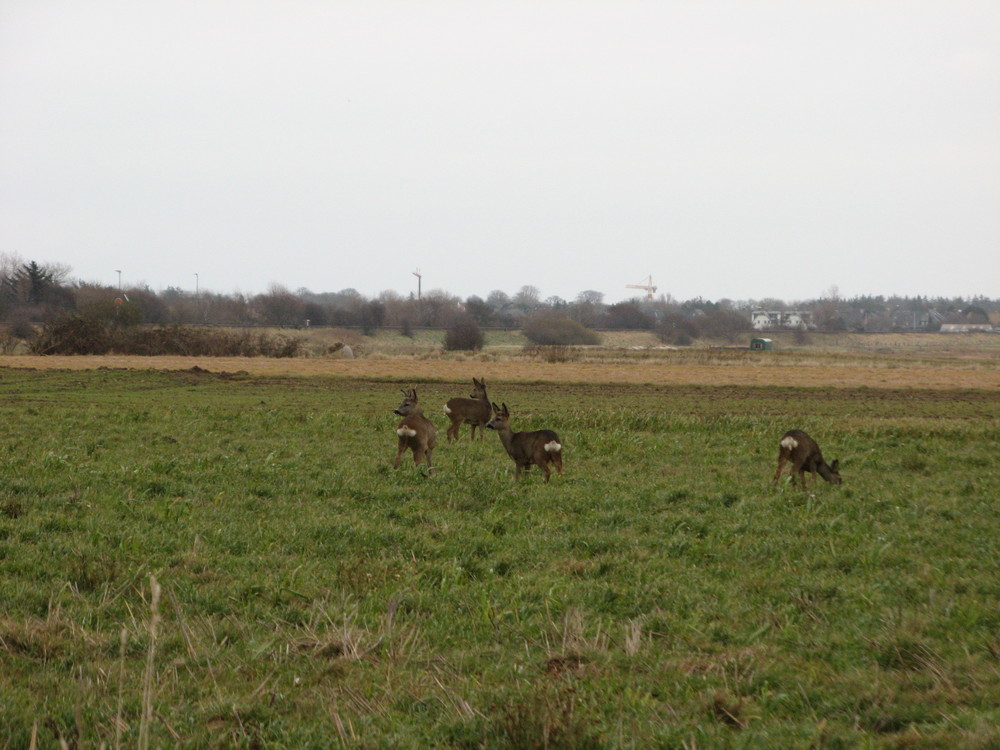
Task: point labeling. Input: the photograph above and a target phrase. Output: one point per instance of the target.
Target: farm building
(761, 344)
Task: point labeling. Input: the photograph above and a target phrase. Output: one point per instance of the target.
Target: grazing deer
(797, 447)
(541, 447)
(415, 431)
(474, 410)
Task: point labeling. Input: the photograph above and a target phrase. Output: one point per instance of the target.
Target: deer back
(476, 408)
(799, 448)
(523, 447)
(534, 446)
(796, 445)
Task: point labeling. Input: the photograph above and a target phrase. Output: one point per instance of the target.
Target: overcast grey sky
(740, 149)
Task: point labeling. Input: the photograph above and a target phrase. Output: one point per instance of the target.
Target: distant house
(911, 320)
(800, 319)
(763, 320)
(968, 322)
(965, 327)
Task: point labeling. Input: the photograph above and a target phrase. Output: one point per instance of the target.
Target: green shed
(761, 344)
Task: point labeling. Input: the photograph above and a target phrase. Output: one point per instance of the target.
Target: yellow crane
(648, 286)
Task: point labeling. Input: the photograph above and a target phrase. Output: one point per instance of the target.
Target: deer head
(409, 405)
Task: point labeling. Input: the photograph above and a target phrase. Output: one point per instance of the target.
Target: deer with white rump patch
(415, 431)
(474, 410)
(541, 447)
(797, 447)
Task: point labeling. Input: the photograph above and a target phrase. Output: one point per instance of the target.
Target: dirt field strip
(652, 373)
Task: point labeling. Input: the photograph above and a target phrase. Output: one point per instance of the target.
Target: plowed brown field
(824, 372)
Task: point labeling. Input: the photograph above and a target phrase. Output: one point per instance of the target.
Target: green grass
(662, 594)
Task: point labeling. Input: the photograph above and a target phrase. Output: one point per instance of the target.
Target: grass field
(888, 361)
(662, 594)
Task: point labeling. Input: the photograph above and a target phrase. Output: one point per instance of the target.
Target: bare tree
(588, 308)
(279, 307)
(528, 299)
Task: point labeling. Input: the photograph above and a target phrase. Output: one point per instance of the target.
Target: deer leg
(812, 469)
(399, 454)
(781, 466)
(798, 470)
(418, 456)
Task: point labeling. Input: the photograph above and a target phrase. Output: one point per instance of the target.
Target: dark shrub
(551, 331)
(464, 335)
(19, 327)
(627, 316)
(86, 335)
(73, 334)
(724, 324)
(677, 329)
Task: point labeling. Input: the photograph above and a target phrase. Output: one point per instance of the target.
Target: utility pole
(118, 271)
(419, 281)
(196, 286)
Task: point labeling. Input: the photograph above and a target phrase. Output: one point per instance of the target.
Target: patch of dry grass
(839, 360)
(673, 368)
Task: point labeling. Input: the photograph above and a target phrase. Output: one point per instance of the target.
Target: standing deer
(474, 410)
(415, 431)
(797, 447)
(541, 447)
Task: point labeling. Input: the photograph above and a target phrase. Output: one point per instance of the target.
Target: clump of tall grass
(148, 677)
(554, 353)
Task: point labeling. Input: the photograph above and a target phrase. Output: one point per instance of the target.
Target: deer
(474, 410)
(415, 431)
(805, 455)
(541, 448)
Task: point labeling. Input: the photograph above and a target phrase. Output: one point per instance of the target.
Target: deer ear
(835, 466)
(495, 407)
(506, 411)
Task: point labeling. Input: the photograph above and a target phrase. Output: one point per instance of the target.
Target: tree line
(33, 293)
